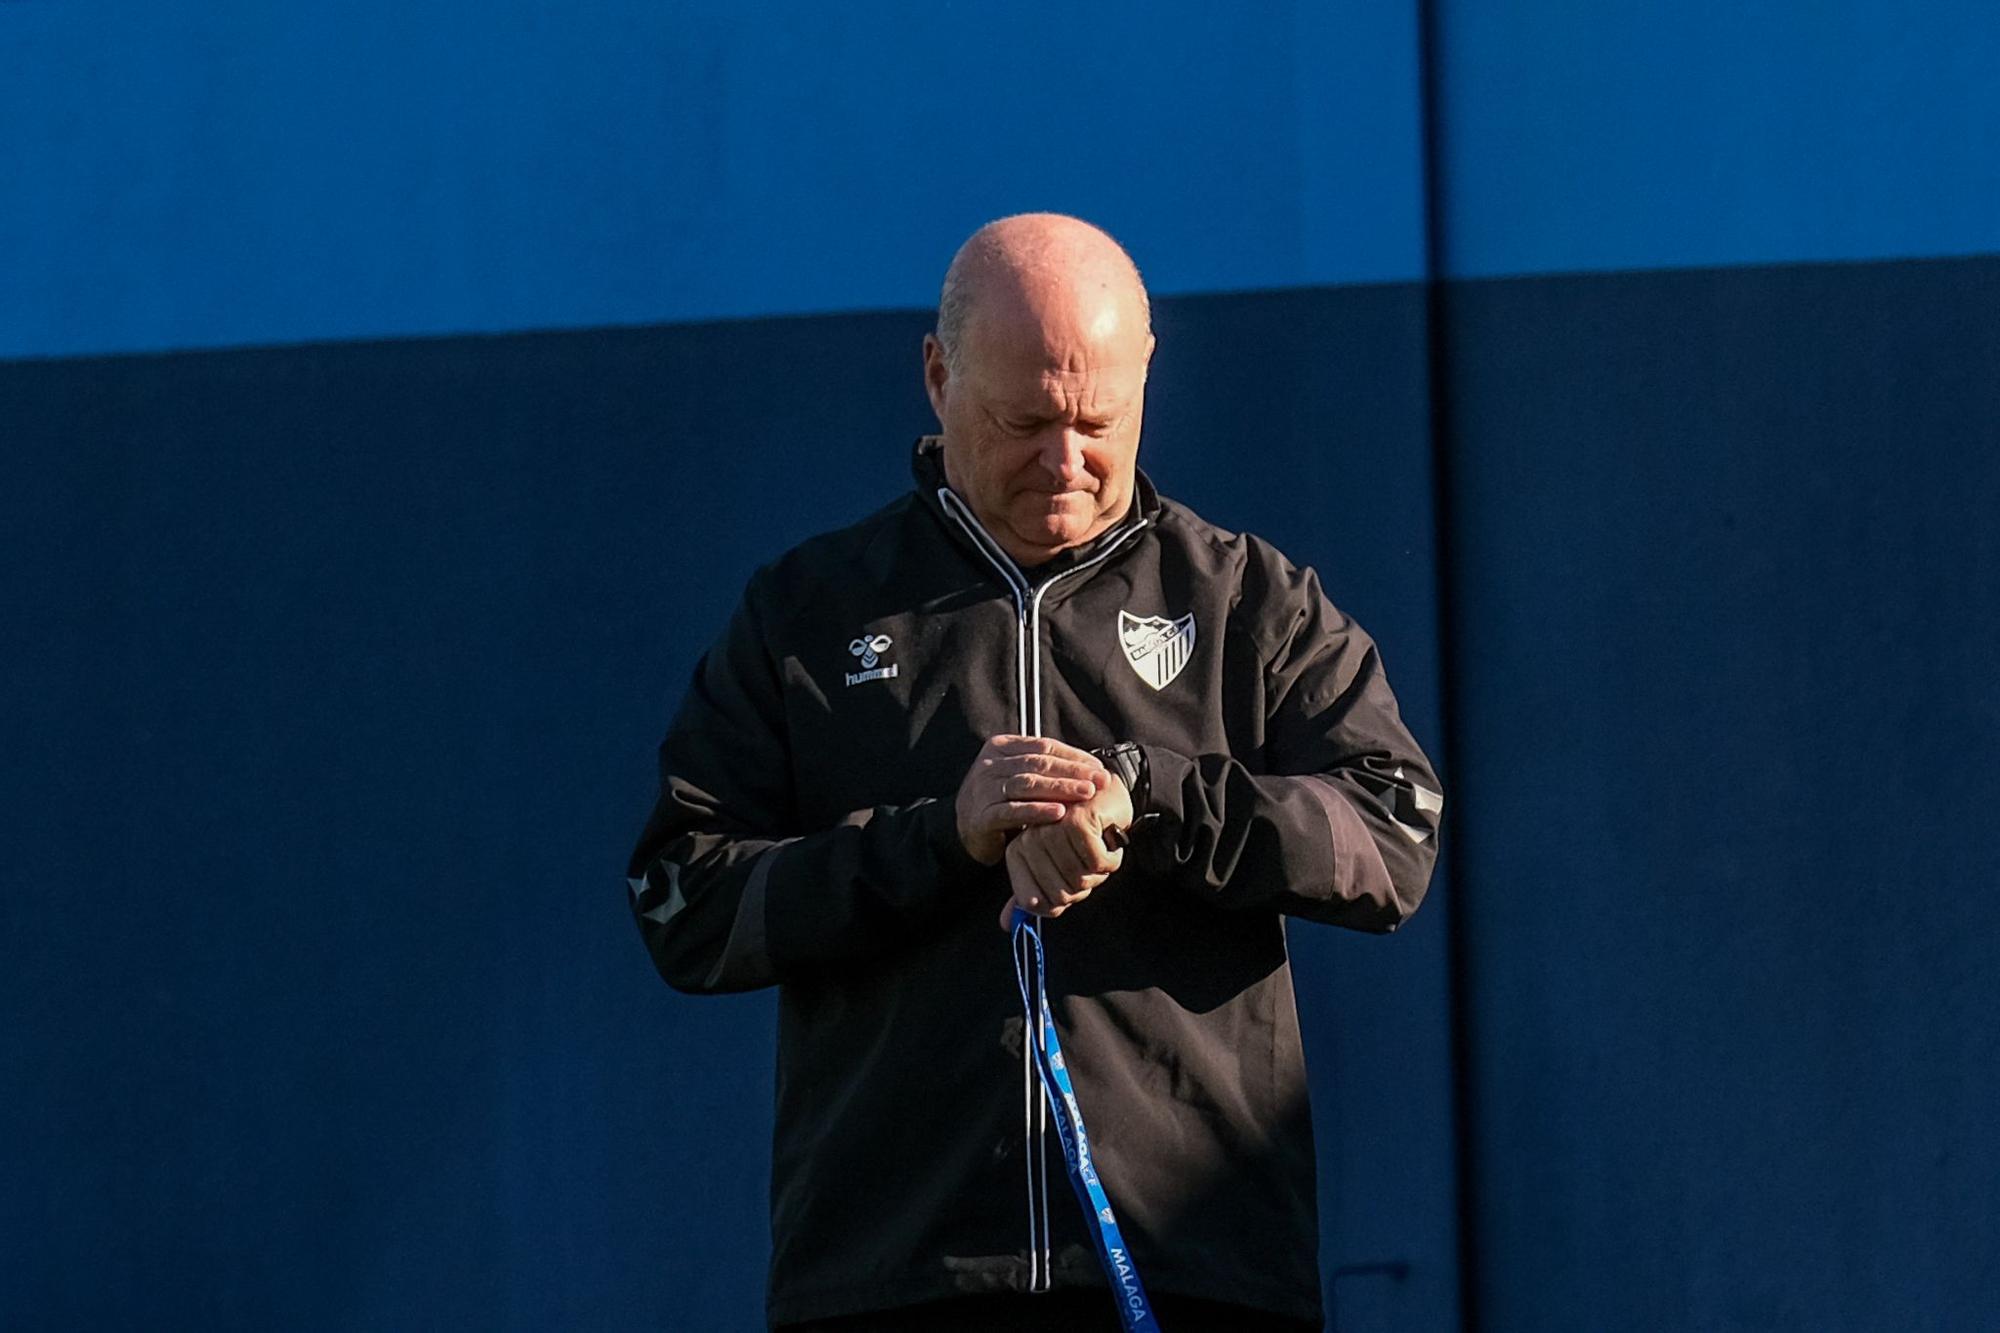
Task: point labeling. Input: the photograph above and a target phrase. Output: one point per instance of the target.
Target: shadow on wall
(338, 711)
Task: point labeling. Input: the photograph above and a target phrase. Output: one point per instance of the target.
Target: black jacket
(805, 837)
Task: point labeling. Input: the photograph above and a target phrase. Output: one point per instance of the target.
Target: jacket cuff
(954, 863)
(1166, 778)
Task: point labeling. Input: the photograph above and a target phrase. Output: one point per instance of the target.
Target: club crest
(1156, 647)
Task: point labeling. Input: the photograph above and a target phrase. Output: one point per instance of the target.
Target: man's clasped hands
(1053, 812)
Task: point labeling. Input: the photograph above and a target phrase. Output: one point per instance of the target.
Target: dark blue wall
(334, 724)
(1726, 717)
(335, 669)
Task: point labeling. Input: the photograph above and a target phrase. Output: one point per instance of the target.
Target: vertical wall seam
(1437, 352)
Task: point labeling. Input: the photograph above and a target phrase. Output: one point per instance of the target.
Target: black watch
(1128, 761)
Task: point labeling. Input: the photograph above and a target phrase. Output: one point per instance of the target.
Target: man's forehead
(1060, 351)
(1029, 383)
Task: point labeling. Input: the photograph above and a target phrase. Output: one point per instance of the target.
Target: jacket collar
(927, 467)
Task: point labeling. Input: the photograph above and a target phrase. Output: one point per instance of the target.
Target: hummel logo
(869, 648)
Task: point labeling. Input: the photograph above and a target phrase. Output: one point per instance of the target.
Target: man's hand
(1053, 867)
(1019, 781)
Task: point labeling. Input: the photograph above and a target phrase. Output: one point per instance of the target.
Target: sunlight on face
(1041, 423)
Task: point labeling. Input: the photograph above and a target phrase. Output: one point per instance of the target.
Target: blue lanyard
(1133, 1308)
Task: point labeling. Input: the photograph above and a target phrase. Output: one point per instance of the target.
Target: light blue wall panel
(239, 173)
(1581, 136)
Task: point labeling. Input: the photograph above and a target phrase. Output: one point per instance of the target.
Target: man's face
(1041, 418)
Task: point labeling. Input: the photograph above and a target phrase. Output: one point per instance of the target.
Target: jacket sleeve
(1340, 822)
(728, 893)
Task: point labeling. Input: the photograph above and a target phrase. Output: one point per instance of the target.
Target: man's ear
(936, 373)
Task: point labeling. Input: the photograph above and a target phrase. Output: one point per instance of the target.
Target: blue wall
(339, 660)
(1727, 722)
(236, 173)
(1707, 132)
(347, 667)
(1720, 650)
(354, 655)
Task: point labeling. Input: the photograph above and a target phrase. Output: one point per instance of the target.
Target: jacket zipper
(1028, 697)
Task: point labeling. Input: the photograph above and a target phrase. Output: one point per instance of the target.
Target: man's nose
(1062, 454)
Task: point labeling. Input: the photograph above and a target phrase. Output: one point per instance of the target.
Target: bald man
(1033, 694)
